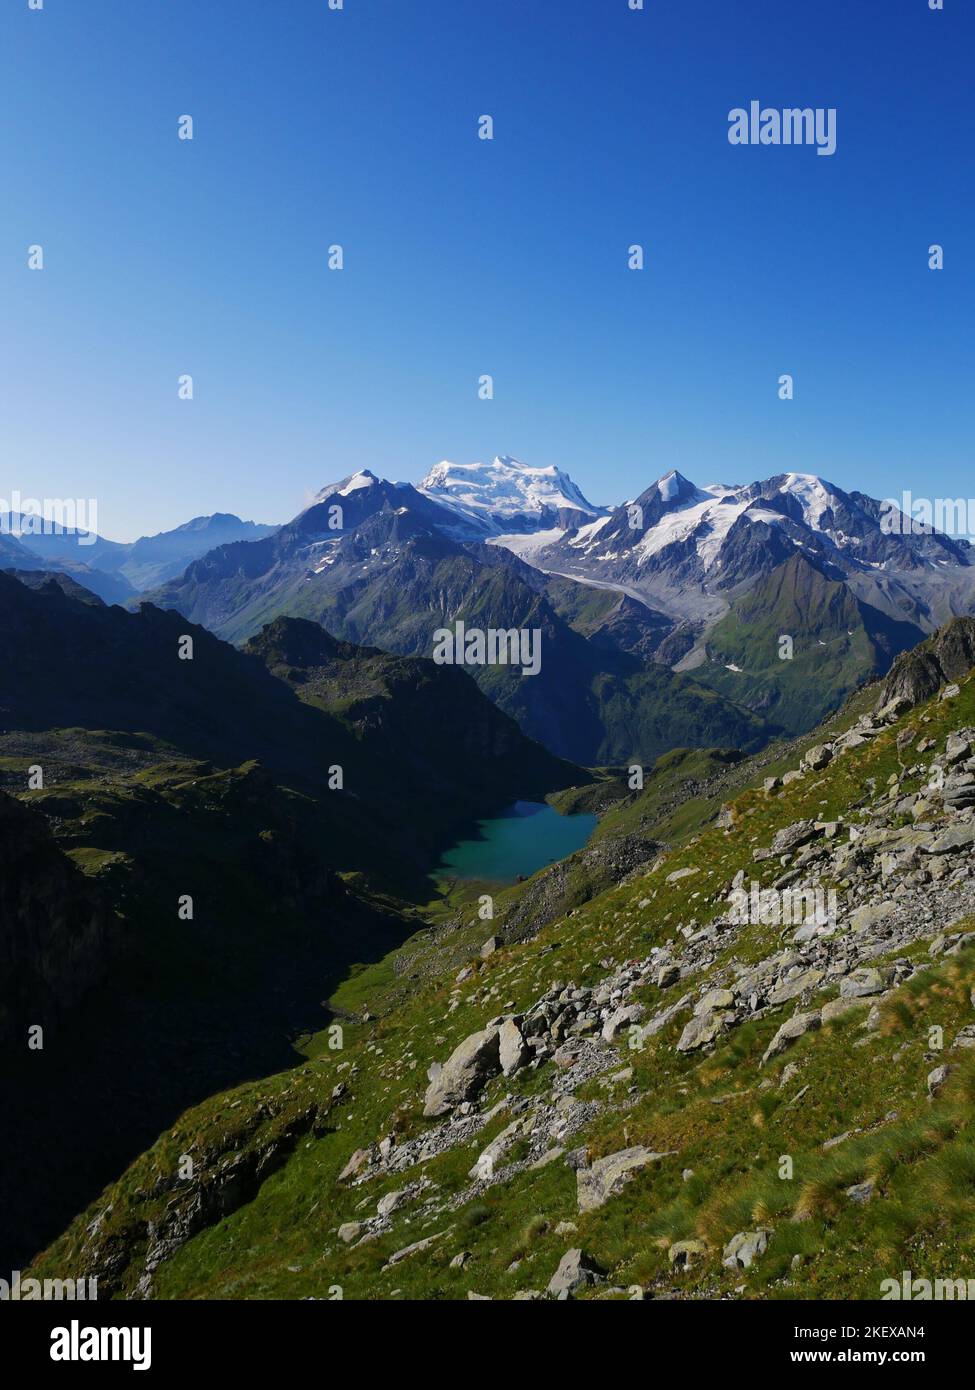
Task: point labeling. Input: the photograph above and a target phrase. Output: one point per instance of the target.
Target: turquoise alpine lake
(515, 844)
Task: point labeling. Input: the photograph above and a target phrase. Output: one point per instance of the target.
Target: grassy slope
(711, 1108)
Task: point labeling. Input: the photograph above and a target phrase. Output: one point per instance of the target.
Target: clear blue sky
(466, 257)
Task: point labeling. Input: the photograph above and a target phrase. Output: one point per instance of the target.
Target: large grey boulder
(575, 1271)
(488, 1159)
(660, 1020)
(703, 1029)
(609, 1175)
(798, 984)
(466, 1071)
(795, 1027)
(792, 837)
(513, 1051)
(871, 916)
(950, 841)
(864, 981)
(622, 1019)
(715, 999)
(818, 757)
(743, 1249)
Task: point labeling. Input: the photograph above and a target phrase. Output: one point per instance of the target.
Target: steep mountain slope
(678, 1090)
(610, 620)
(947, 656)
(195, 809)
(57, 930)
(835, 642)
(87, 667)
(13, 553)
(452, 750)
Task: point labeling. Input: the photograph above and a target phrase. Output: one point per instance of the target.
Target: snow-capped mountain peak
(355, 482)
(506, 494)
(672, 485)
(814, 494)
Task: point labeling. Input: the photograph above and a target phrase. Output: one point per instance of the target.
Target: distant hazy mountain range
(661, 618)
(117, 572)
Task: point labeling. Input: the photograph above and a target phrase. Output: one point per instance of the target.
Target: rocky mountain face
(938, 662)
(601, 1109)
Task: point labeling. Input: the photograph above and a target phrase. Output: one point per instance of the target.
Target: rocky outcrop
(918, 674)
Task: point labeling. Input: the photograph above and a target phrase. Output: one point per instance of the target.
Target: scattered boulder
(950, 841)
(684, 1254)
(467, 1070)
(863, 982)
(795, 1027)
(487, 1160)
(607, 1176)
(513, 1051)
(937, 1079)
(621, 1020)
(703, 1029)
(743, 1249)
(714, 999)
(576, 1270)
(392, 1202)
(818, 757)
(865, 919)
(416, 1247)
(799, 984)
(794, 836)
(678, 874)
(359, 1160)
